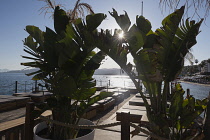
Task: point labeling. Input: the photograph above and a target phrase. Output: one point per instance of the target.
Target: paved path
(114, 133)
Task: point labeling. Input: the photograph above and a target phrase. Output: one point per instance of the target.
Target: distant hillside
(114, 71)
(23, 71)
(109, 72)
(4, 70)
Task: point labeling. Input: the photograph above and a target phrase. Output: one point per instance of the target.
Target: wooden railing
(12, 130)
(22, 128)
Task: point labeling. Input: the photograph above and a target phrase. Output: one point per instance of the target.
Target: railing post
(36, 88)
(125, 125)
(16, 82)
(29, 121)
(25, 86)
(188, 92)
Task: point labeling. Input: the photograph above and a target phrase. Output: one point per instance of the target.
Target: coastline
(208, 85)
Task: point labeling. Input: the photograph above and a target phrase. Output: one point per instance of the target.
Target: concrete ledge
(12, 102)
(105, 104)
(118, 96)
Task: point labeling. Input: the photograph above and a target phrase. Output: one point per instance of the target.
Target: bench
(105, 103)
(91, 111)
(118, 96)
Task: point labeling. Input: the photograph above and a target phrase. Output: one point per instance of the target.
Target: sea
(9, 82)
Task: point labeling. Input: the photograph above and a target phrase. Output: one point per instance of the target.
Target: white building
(206, 67)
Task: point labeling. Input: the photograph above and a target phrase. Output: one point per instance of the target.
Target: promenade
(114, 133)
(103, 117)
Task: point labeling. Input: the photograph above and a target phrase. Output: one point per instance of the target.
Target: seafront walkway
(110, 115)
(137, 113)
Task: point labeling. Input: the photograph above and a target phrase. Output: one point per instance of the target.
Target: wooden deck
(11, 102)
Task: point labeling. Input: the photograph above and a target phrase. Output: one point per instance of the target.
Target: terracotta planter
(43, 125)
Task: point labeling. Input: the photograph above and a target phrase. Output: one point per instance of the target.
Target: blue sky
(16, 14)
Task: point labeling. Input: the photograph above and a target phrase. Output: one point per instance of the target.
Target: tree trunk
(61, 132)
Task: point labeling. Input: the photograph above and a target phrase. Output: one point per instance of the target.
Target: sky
(15, 15)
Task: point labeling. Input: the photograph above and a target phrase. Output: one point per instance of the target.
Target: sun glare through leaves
(121, 35)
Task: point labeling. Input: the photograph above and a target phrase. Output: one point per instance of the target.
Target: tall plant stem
(164, 96)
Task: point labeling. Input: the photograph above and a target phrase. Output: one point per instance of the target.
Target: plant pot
(148, 138)
(43, 125)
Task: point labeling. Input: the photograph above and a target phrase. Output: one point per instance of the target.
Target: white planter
(148, 138)
(43, 125)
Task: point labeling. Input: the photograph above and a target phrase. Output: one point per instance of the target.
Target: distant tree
(202, 64)
(208, 60)
(196, 61)
(78, 10)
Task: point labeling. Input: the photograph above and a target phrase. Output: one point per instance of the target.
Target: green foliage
(104, 94)
(182, 112)
(122, 20)
(159, 59)
(66, 63)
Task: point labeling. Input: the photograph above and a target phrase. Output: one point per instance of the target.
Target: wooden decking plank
(17, 122)
(11, 124)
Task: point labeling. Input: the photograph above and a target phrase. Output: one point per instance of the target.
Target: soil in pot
(45, 133)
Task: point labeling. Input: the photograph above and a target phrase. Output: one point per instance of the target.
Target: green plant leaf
(36, 33)
(143, 24)
(67, 87)
(123, 20)
(94, 20)
(61, 20)
(30, 43)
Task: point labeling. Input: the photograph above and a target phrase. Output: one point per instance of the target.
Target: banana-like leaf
(84, 94)
(40, 76)
(93, 100)
(31, 53)
(176, 42)
(176, 103)
(32, 58)
(95, 61)
(122, 20)
(32, 73)
(136, 40)
(37, 34)
(61, 20)
(94, 20)
(143, 24)
(30, 43)
(67, 86)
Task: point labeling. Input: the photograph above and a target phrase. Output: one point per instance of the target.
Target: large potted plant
(66, 63)
(158, 58)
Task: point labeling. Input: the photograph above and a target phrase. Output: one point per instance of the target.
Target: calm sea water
(8, 83)
(25, 84)
(198, 91)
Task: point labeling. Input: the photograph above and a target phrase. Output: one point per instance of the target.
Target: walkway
(114, 133)
(108, 116)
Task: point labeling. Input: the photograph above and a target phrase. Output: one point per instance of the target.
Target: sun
(121, 35)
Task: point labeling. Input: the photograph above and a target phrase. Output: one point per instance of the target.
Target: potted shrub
(158, 58)
(66, 63)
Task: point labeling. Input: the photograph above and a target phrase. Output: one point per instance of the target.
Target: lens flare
(121, 35)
